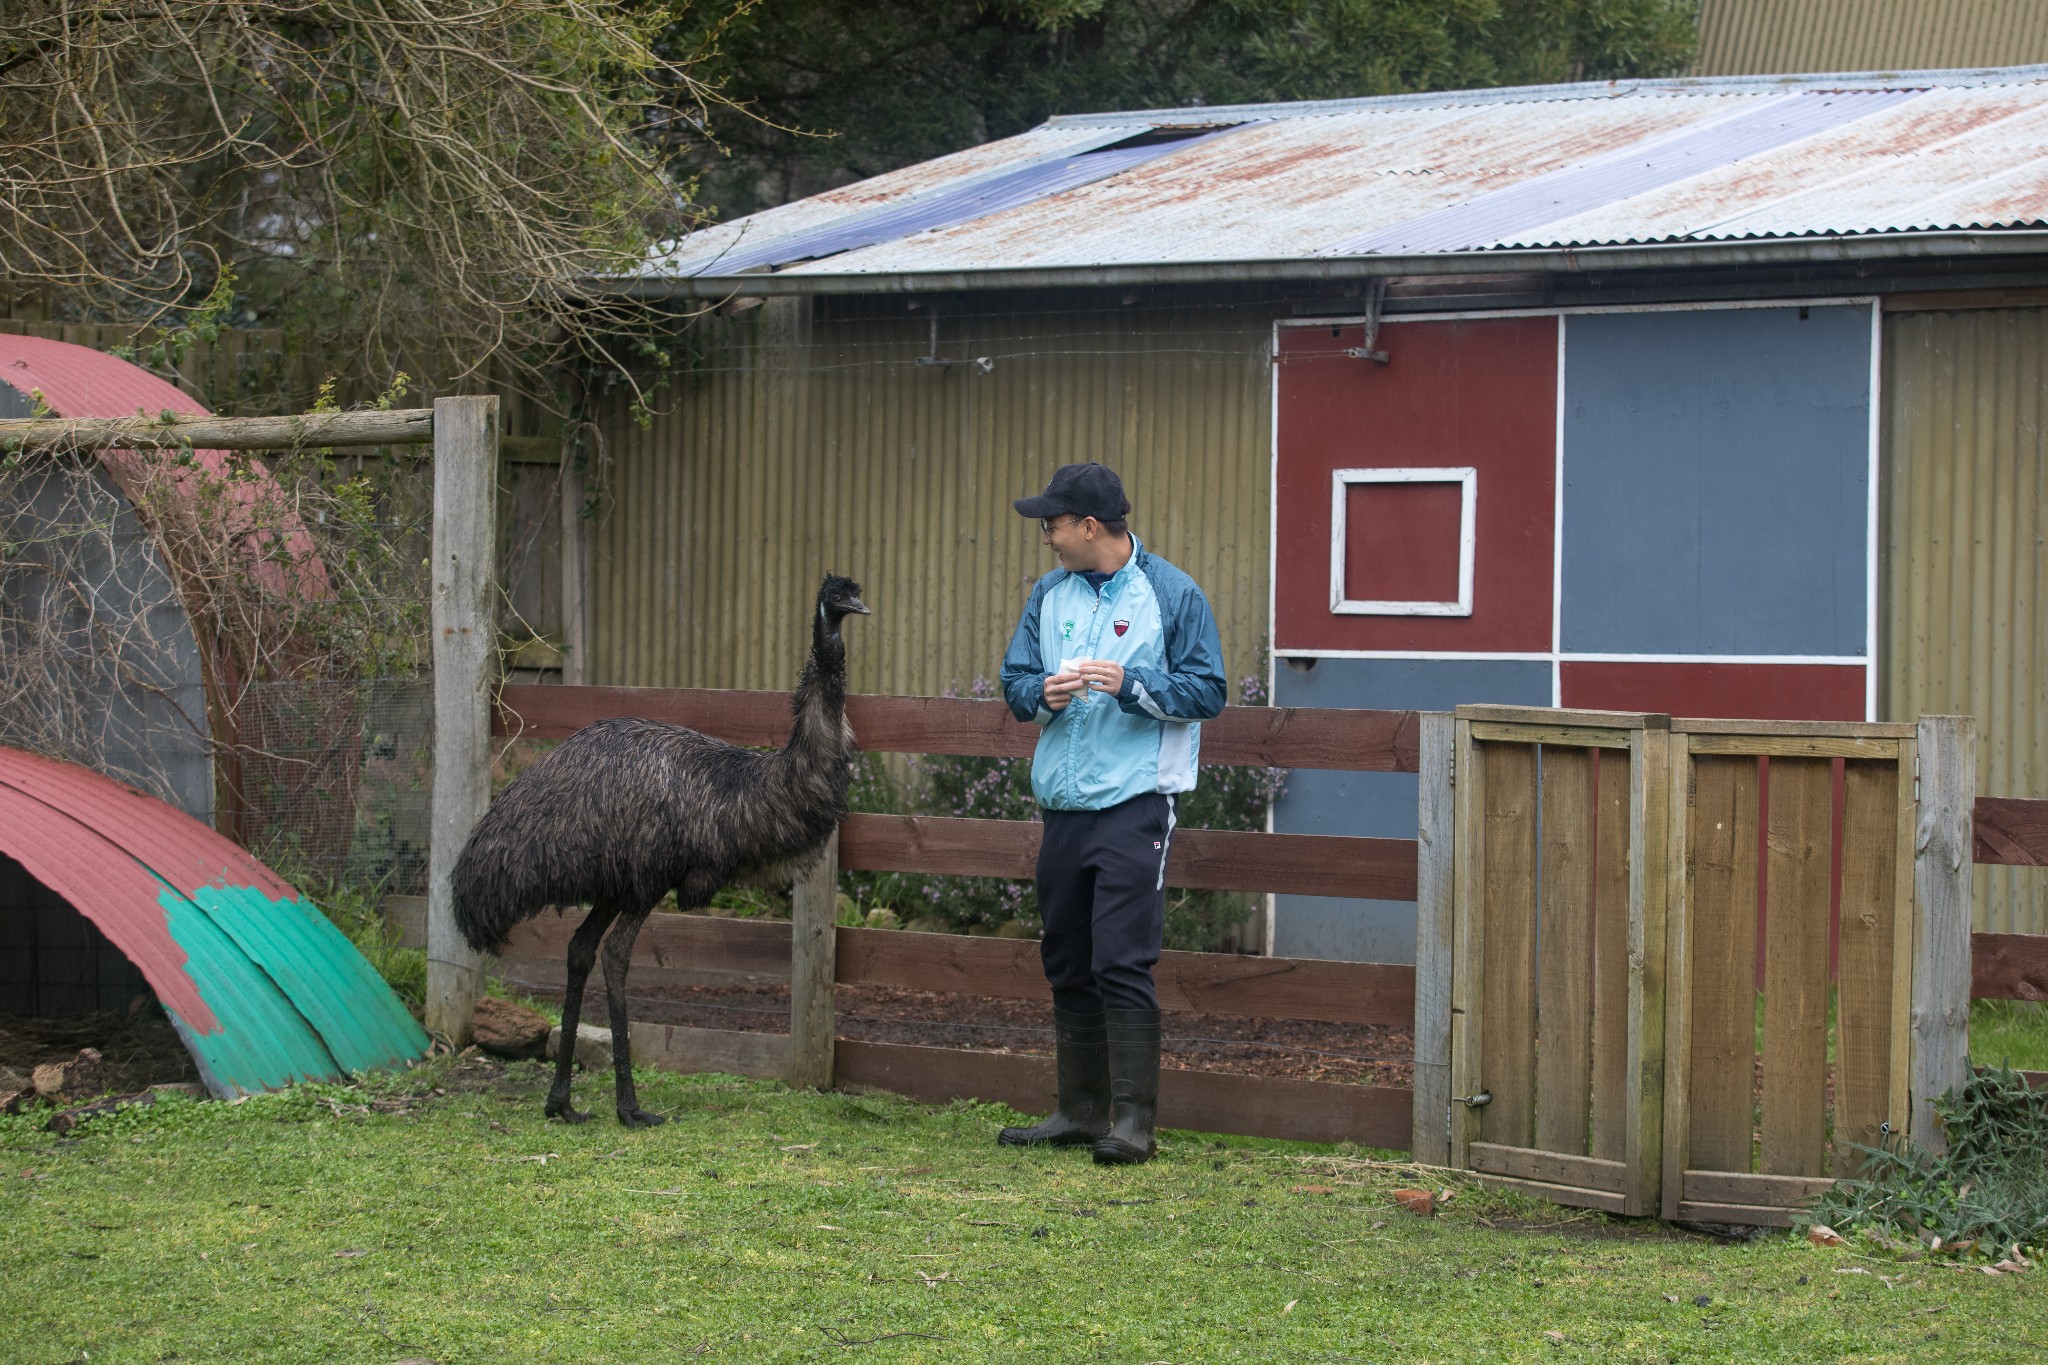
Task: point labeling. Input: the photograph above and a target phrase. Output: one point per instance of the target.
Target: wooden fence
(810, 953)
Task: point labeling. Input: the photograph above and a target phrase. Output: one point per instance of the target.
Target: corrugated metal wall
(807, 438)
(1756, 37)
(1966, 574)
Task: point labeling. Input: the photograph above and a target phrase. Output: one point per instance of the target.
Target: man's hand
(1060, 689)
(1104, 675)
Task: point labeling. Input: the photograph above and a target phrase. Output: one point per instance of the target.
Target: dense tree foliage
(845, 89)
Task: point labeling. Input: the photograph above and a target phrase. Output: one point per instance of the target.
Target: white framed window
(1341, 481)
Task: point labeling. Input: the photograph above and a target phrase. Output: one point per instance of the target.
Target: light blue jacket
(1100, 750)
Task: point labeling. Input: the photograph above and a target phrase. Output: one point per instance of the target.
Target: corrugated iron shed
(1741, 37)
(261, 987)
(1729, 169)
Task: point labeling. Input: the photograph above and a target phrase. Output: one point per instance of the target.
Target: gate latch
(1484, 1097)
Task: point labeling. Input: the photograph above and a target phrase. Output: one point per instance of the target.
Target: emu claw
(636, 1117)
(566, 1114)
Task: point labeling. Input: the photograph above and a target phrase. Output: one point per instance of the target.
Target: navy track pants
(1102, 897)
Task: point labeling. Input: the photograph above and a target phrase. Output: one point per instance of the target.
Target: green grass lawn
(437, 1215)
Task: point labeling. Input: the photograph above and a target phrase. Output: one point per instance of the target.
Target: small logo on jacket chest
(1121, 626)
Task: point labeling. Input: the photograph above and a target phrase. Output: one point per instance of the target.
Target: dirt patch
(1292, 1048)
(138, 1050)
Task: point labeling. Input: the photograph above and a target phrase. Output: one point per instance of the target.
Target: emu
(624, 810)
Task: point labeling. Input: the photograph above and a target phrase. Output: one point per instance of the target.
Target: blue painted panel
(1376, 805)
(1716, 481)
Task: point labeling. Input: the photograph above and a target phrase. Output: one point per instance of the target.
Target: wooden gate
(1557, 1009)
(1801, 933)
(1692, 965)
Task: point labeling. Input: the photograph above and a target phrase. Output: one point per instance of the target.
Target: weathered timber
(1204, 859)
(2009, 966)
(1552, 1168)
(813, 910)
(400, 426)
(464, 556)
(1942, 879)
(2011, 831)
(1267, 736)
(1435, 915)
(674, 1047)
(1206, 1101)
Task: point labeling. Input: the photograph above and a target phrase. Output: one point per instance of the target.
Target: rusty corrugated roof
(263, 989)
(1695, 164)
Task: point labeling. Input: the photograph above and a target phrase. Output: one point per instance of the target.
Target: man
(1116, 658)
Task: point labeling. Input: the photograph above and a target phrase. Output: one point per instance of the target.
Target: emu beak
(855, 604)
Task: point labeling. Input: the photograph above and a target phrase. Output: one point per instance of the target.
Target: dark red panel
(1718, 691)
(1482, 394)
(1401, 542)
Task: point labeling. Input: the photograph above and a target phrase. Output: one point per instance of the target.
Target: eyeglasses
(1048, 527)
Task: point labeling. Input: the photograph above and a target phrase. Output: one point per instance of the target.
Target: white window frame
(1467, 479)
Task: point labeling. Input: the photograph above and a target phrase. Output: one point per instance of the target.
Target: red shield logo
(1121, 626)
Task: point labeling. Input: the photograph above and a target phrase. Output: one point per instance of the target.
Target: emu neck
(817, 747)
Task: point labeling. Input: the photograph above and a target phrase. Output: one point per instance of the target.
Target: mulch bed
(138, 1049)
(1292, 1048)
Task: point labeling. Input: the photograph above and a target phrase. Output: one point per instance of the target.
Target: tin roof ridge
(1669, 86)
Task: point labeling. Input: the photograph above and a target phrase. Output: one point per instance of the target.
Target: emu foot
(563, 1110)
(636, 1117)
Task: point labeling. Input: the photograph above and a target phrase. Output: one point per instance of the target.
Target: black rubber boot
(1134, 1088)
(1081, 1042)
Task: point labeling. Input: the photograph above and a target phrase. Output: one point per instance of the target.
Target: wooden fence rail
(691, 949)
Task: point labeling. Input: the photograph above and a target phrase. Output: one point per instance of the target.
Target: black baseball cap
(1081, 490)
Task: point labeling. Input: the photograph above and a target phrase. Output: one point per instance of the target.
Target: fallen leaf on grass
(1313, 1189)
(1289, 1308)
(1671, 1298)
(1554, 1338)
(349, 1255)
(2010, 1267)
(1421, 1203)
(801, 1147)
(1821, 1235)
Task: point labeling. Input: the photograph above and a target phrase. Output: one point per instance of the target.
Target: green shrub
(1987, 1196)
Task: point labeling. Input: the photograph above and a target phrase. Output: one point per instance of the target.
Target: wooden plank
(1552, 1168)
(1564, 953)
(1835, 729)
(1204, 859)
(1722, 913)
(1905, 934)
(1610, 957)
(1742, 1215)
(1863, 975)
(464, 555)
(1342, 739)
(2009, 966)
(1489, 713)
(1570, 1196)
(1941, 881)
(1580, 737)
(2010, 831)
(1205, 1101)
(1650, 787)
(814, 942)
(1769, 1191)
(1209, 983)
(1796, 887)
(674, 1047)
(1793, 746)
(1468, 955)
(1435, 876)
(1508, 1040)
(396, 426)
(1678, 962)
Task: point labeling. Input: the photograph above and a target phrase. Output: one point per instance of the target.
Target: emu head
(838, 598)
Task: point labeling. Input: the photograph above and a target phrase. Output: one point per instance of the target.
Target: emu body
(625, 810)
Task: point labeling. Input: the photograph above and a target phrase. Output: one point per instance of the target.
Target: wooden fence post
(813, 947)
(1943, 856)
(465, 654)
(1431, 1142)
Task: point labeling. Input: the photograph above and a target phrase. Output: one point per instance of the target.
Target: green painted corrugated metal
(1966, 574)
(805, 441)
(1760, 37)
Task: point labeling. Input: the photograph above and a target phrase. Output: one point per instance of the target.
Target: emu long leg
(618, 959)
(582, 954)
